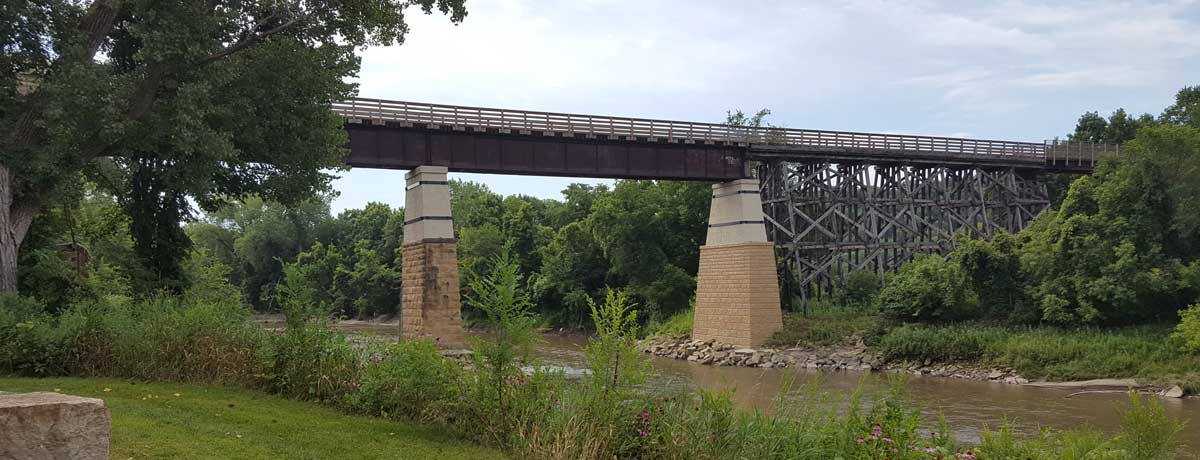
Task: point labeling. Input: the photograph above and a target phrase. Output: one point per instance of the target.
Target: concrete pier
(737, 287)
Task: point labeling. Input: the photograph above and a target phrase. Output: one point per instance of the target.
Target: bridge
(814, 205)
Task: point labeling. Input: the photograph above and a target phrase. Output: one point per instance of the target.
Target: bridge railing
(596, 125)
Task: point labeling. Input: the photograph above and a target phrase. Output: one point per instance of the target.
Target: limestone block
(52, 426)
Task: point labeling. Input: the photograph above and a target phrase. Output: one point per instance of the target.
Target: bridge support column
(737, 288)
(431, 307)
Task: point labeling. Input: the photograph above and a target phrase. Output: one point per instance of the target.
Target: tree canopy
(166, 102)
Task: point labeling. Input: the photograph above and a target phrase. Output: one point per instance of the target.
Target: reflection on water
(968, 406)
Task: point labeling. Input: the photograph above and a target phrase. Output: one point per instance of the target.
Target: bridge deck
(713, 141)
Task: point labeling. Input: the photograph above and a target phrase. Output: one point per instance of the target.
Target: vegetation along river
(968, 406)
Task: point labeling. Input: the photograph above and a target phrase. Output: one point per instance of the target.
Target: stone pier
(737, 287)
(431, 307)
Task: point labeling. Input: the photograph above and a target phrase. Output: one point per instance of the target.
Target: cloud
(1006, 69)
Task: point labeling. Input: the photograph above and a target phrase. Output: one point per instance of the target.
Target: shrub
(994, 270)
(860, 292)
(1187, 332)
(312, 361)
(410, 378)
(929, 288)
(29, 342)
(497, 375)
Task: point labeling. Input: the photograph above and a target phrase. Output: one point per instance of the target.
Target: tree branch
(253, 38)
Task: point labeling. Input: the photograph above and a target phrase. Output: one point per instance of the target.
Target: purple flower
(860, 440)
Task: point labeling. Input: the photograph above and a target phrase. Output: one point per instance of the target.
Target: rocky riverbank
(858, 357)
(847, 358)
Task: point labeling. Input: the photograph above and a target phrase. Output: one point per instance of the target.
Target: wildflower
(643, 433)
(106, 390)
(860, 440)
(930, 450)
(887, 439)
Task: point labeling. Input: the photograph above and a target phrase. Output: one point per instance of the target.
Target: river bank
(861, 358)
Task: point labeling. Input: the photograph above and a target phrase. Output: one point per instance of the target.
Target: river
(968, 406)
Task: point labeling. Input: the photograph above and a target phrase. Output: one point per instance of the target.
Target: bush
(1187, 333)
(929, 288)
(498, 377)
(29, 343)
(860, 291)
(311, 361)
(409, 380)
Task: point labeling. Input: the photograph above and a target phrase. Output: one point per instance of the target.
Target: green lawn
(178, 421)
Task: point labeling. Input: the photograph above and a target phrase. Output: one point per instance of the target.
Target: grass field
(177, 421)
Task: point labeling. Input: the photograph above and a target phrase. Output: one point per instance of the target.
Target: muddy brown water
(967, 406)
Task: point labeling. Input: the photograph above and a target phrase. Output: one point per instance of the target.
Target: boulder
(1173, 392)
(52, 426)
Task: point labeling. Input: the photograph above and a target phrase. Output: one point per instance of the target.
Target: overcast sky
(1009, 70)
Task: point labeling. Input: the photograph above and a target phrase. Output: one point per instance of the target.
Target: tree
(256, 238)
(1113, 253)
(651, 232)
(235, 94)
(1186, 109)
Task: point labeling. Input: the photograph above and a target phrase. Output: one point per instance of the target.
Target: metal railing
(597, 125)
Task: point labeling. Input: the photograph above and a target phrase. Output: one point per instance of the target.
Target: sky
(1009, 70)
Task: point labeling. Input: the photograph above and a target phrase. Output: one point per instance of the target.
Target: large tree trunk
(14, 223)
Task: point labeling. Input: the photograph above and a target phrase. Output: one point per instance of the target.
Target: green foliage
(573, 269)
(651, 232)
(30, 344)
(311, 361)
(859, 292)
(994, 270)
(1146, 353)
(299, 298)
(155, 339)
(824, 329)
(1112, 253)
(677, 325)
(612, 354)
(178, 100)
(1187, 332)
(929, 288)
(410, 380)
(940, 344)
(498, 358)
(1186, 109)
(208, 280)
(1146, 434)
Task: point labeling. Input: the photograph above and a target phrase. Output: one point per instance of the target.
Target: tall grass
(1051, 353)
(825, 328)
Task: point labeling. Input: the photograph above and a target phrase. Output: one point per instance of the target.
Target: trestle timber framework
(828, 219)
